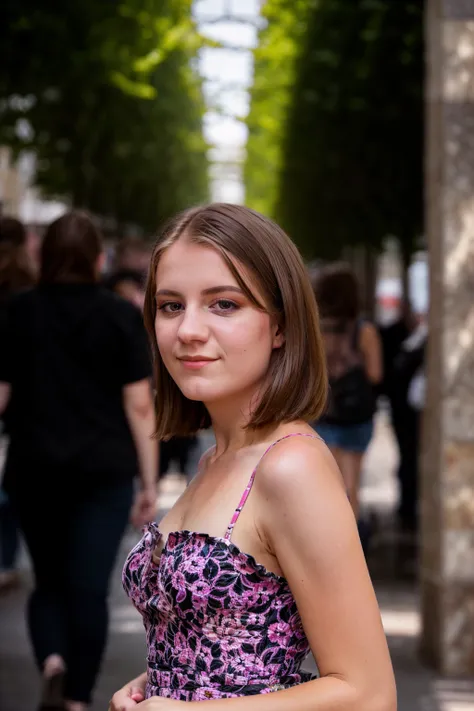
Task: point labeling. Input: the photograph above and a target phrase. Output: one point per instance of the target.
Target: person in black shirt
(400, 365)
(16, 274)
(75, 372)
(129, 284)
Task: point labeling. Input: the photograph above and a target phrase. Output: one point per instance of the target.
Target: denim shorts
(349, 438)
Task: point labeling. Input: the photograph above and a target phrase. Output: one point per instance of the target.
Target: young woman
(259, 561)
(354, 360)
(75, 372)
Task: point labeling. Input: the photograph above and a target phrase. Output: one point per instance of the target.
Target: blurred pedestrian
(75, 372)
(354, 360)
(407, 403)
(16, 264)
(16, 274)
(132, 253)
(259, 560)
(129, 284)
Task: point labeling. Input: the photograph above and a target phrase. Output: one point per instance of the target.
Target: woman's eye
(225, 305)
(170, 307)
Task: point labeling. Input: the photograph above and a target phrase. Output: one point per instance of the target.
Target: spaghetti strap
(248, 489)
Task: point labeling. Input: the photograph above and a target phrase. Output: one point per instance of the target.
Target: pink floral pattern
(218, 624)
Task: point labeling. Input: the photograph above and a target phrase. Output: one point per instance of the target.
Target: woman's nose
(193, 326)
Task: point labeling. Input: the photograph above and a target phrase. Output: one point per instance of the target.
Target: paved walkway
(418, 688)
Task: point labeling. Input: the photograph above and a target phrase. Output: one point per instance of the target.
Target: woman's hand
(145, 507)
(156, 703)
(128, 697)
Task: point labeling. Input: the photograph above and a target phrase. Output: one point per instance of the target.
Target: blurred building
(18, 195)
(389, 286)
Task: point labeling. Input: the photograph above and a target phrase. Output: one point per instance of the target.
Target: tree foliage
(352, 140)
(106, 96)
(275, 58)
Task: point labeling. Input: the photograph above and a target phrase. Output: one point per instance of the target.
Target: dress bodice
(218, 624)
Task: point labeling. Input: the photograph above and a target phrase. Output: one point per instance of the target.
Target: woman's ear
(278, 336)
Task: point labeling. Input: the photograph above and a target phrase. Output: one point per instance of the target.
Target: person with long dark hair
(355, 368)
(75, 373)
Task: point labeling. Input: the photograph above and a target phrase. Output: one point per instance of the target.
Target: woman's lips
(196, 363)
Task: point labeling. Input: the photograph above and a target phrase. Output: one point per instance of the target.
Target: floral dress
(218, 624)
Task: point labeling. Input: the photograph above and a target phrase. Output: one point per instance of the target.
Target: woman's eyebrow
(218, 289)
(211, 290)
(167, 292)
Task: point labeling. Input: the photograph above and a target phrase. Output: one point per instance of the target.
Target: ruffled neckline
(213, 540)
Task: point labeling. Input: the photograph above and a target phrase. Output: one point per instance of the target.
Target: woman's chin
(196, 394)
(201, 393)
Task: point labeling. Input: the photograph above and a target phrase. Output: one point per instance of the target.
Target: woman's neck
(229, 420)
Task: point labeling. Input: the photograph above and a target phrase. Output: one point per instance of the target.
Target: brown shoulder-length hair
(297, 384)
(71, 247)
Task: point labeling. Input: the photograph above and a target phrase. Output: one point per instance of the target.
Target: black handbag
(352, 397)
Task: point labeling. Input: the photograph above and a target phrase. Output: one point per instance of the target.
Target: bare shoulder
(297, 464)
(301, 491)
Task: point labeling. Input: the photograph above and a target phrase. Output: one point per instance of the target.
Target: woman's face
(214, 342)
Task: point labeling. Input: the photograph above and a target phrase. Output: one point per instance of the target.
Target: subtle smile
(196, 362)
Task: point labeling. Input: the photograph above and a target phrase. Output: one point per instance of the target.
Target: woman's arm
(140, 413)
(308, 522)
(371, 347)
